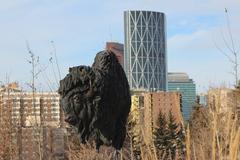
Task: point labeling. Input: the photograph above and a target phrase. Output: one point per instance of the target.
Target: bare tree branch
(54, 73)
(232, 56)
(45, 77)
(224, 53)
(55, 55)
(225, 42)
(229, 30)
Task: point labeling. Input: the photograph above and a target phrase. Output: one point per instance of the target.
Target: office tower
(181, 82)
(145, 58)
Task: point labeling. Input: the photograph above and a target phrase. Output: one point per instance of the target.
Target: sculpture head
(74, 91)
(71, 107)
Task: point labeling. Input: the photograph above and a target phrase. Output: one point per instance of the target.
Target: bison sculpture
(96, 100)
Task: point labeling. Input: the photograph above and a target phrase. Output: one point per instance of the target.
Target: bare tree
(231, 53)
(55, 61)
(8, 147)
(37, 126)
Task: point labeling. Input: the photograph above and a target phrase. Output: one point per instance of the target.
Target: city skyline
(79, 33)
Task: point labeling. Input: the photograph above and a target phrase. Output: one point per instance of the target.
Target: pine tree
(181, 103)
(173, 136)
(181, 147)
(161, 134)
(169, 137)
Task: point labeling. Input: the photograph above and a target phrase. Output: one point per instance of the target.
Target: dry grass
(210, 135)
(221, 142)
(214, 133)
(77, 151)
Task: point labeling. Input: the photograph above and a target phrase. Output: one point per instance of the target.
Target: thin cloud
(81, 28)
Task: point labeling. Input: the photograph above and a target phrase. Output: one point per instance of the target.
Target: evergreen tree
(161, 133)
(181, 146)
(181, 103)
(169, 137)
(173, 136)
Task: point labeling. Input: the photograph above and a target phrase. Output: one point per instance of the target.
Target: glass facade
(180, 82)
(145, 61)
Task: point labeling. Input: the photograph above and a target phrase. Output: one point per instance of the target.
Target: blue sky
(80, 29)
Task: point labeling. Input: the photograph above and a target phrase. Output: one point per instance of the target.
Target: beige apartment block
(36, 122)
(27, 110)
(150, 105)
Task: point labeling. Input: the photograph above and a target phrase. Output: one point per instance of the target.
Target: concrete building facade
(150, 105)
(33, 122)
(145, 57)
(44, 109)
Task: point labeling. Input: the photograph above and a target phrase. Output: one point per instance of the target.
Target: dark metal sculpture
(96, 100)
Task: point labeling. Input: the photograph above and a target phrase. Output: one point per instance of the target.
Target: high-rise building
(117, 49)
(181, 82)
(202, 99)
(145, 58)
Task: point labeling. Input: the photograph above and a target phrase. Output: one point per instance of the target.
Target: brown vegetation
(214, 132)
(210, 134)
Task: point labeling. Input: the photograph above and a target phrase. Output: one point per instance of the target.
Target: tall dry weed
(214, 131)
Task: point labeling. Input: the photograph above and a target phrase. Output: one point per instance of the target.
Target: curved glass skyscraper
(145, 58)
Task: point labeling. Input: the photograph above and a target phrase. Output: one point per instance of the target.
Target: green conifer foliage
(181, 146)
(173, 136)
(161, 136)
(169, 138)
